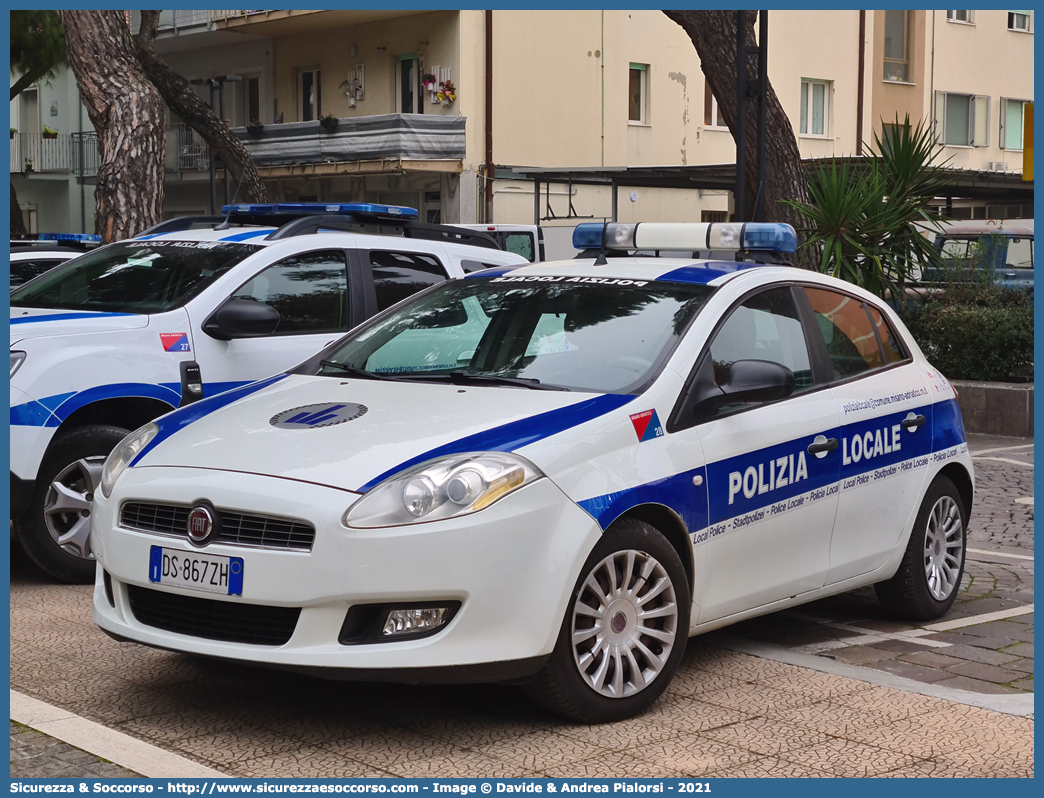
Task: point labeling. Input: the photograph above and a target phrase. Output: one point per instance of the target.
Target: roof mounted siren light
(281, 212)
(682, 236)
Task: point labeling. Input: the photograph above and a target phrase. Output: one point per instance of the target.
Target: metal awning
(1004, 187)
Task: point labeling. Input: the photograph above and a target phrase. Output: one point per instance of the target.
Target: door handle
(821, 445)
(912, 422)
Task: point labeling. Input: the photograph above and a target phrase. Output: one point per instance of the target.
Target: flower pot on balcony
(328, 123)
(255, 130)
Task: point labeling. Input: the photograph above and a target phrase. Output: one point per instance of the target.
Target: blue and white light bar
(682, 236)
(298, 209)
(86, 237)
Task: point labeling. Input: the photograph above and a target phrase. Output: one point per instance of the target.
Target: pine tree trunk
(197, 114)
(714, 35)
(127, 113)
(17, 222)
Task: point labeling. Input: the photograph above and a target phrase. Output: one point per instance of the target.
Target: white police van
(556, 472)
(189, 309)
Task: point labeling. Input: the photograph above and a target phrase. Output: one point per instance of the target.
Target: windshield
(608, 336)
(134, 276)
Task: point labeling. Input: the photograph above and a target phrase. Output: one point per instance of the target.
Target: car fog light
(412, 621)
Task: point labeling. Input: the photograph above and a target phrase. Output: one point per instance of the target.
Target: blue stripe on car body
(516, 434)
(703, 273)
(248, 235)
(943, 432)
(496, 272)
(183, 417)
(68, 317)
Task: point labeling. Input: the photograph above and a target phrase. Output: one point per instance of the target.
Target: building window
(310, 93)
(251, 109)
(815, 107)
(638, 93)
(1019, 20)
(962, 120)
(1011, 124)
(408, 85)
(896, 58)
(960, 16)
(711, 112)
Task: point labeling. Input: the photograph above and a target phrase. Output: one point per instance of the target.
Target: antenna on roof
(225, 224)
(600, 260)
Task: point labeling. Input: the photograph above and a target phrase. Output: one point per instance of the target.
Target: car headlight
(124, 453)
(16, 360)
(443, 488)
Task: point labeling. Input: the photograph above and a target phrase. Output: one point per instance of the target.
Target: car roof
(974, 230)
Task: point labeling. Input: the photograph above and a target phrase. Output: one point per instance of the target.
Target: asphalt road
(832, 688)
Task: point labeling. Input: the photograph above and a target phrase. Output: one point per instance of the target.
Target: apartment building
(577, 89)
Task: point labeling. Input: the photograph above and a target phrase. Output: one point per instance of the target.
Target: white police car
(556, 472)
(35, 255)
(186, 310)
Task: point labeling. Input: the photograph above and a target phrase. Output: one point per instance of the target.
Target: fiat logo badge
(200, 524)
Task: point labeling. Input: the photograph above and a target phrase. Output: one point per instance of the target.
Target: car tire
(618, 671)
(929, 576)
(54, 530)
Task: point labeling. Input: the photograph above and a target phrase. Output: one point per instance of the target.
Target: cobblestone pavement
(35, 755)
(725, 714)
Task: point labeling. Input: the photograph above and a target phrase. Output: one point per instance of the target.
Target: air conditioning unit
(997, 166)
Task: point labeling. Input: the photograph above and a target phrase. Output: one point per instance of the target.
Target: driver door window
(310, 292)
(765, 327)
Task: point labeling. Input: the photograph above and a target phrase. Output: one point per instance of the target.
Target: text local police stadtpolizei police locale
(787, 470)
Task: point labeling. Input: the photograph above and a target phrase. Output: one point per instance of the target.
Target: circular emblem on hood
(200, 523)
(326, 414)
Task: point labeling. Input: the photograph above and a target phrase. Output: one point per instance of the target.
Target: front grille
(239, 529)
(228, 621)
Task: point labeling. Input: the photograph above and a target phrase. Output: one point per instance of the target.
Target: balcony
(173, 20)
(67, 153)
(410, 140)
(185, 151)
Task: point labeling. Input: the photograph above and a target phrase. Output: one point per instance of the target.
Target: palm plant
(863, 215)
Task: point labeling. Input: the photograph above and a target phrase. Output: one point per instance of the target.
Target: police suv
(191, 308)
(554, 473)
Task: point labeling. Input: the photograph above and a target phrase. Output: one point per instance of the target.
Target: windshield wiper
(466, 378)
(355, 372)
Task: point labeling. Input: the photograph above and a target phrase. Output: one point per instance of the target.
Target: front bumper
(511, 566)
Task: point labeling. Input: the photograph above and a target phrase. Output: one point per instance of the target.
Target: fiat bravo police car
(189, 309)
(553, 473)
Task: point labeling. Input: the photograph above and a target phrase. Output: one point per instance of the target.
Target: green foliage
(862, 213)
(976, 331)
(37, 45)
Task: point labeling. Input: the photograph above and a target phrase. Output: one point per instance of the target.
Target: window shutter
(958, 117)
(940, 117)
(1013, 125)
(981, 119)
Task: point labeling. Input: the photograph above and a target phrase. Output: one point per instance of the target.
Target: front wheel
(55, 528)
(624, 631)
(929, 576)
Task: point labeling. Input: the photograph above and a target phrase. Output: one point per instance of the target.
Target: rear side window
(22, 271)
(309, 291)
(520, 244)
(890, 344)
(397, 275)
(846, 329)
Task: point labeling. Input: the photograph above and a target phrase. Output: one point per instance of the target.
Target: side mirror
(749, 381)
(241, 318)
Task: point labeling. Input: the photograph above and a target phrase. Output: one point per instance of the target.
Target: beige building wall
(982, 58)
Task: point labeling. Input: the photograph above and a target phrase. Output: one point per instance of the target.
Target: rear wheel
(55, 528)
(929, 576)
(624, 631)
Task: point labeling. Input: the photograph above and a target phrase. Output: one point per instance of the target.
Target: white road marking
(1027, 500)
(1003, 449)
(865, 636)
(1001, 554)
(1009, 704)
(106, 743)
(1003, 460)
(975, 620)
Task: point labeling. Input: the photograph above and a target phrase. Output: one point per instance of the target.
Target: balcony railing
(224, 16)
(73, 153)
(186, 151)
(362, 138)
(173, 20)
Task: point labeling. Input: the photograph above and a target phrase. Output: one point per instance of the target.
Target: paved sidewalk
(36, 756)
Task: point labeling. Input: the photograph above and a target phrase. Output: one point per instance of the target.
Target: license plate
(195, 570)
